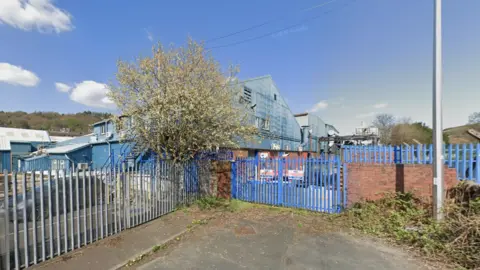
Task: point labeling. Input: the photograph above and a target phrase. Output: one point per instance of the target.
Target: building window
(54, 164)
(262, 123)
(58, 164)
(103, 129)
(266, 124)
(247, 94)
(274, 96)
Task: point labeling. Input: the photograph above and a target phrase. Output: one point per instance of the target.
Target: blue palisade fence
(463, 157)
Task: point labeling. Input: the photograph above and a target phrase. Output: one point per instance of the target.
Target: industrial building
(17, 143)
(313, 128)
(280, 132)
(89, 151)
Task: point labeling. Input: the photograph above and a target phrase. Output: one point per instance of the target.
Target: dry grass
(406, 220)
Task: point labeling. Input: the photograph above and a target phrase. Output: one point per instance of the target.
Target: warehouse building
(17, 143)
(279, 130)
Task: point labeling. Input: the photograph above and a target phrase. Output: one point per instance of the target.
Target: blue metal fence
(463, 157)
(315, 184)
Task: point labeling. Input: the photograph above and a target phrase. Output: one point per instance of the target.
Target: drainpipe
(70, 161)
(109, 149)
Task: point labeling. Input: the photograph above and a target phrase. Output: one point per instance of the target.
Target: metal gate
(317, 184)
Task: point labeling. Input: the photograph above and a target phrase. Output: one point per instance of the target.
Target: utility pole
(438, 159)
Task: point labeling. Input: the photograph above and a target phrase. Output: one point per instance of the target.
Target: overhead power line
(276, 31)
(269, 21)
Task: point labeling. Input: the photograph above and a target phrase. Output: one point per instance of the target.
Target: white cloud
(93, 94)
(380, 105)
(319, 106)
(62, 87)
(365, 115)
(39, 14)
(16, 75)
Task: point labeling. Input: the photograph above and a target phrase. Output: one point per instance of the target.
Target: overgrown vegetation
(407, 220)
(55, 123)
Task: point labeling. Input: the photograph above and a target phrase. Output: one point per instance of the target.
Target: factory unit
(17, 143)
(90, 151)
(279, 131)
(313, 128)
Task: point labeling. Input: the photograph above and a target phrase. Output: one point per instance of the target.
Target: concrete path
(116, 250)
(243, 243)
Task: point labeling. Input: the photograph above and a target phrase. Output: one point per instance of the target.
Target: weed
(408, 221)
(211, 202)
(237, 205)
(199, 221)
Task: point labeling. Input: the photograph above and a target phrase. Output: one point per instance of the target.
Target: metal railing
(45, 214)
(463, 157)
(316, 184)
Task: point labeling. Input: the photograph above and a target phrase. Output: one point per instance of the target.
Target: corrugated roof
(4, 144)
(24, 135)
(66, 148)
(60, 138)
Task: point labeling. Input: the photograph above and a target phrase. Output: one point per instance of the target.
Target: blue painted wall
(100, 153)
(83, 155)
(108, 126)
(283, 130)
(5, 162)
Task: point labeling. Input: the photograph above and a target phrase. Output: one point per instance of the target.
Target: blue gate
(316, 184)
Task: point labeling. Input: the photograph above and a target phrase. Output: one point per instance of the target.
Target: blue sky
(357, 58)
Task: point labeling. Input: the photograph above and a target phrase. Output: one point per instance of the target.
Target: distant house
(279, 131)
(16, 143)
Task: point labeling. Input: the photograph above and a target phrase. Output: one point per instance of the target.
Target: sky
(344, 60)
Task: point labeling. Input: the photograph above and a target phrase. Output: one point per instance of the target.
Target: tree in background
(474, 118)
(385, 123)
(180, 103)
(413, 133)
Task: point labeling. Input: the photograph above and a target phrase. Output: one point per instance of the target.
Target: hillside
(460, 134)
(55, 123)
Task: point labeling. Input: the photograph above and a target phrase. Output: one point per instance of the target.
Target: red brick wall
(372, 181)
(240, 153)
(223, 170)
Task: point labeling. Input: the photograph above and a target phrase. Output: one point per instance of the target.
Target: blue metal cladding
(279, 129)
(82, 155)
(37, 163)
(20, 148)
(101, 153)
(102, 128)
(5, 161)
